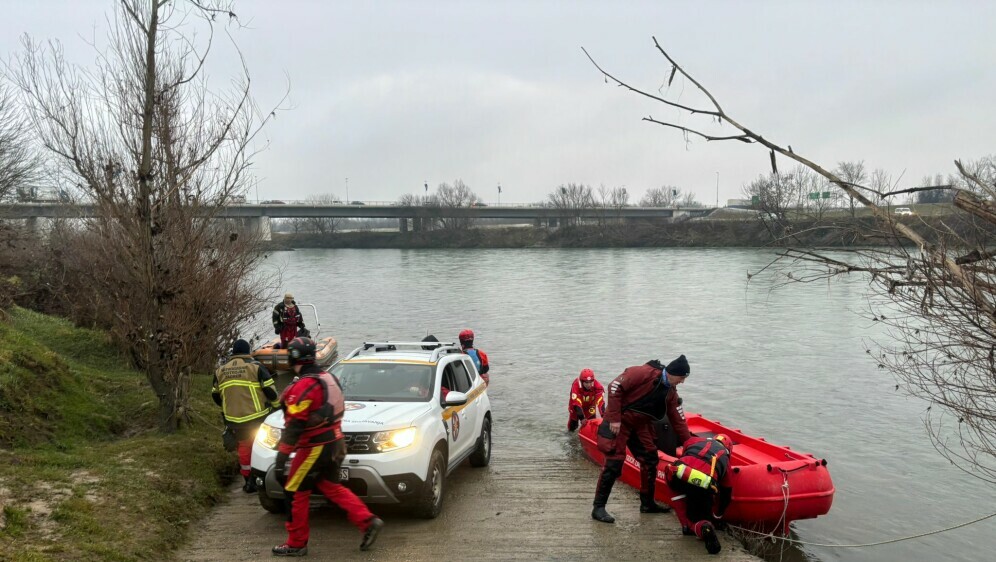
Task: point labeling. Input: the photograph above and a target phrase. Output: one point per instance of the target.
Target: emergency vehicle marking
(455, 424)
(354, 406)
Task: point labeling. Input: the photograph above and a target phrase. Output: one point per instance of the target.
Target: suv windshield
(389, 382)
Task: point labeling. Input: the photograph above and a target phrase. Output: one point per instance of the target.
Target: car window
(471, 369)
(390, 382)
(460, 377)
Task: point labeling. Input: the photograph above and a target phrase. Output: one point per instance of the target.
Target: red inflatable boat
(772, 485)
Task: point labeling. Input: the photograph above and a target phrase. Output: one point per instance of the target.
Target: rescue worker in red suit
(701, 480)
(313, 408)
(479, 358)
(246, 392)
(287, 320)
(587, 397)
(637, 398)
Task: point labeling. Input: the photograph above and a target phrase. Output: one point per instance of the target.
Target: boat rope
(889, 541)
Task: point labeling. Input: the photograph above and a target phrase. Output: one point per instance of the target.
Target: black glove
(280, 469)
(277, 329)
(578, 413)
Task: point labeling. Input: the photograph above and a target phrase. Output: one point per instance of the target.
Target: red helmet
(467, 335)
(587, 375)
(724, 439)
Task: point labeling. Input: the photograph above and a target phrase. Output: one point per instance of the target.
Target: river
(787, 364)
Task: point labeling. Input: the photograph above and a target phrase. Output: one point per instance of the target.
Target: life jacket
(331, 411)
(475, 357)
(704, 463)
(242, 397)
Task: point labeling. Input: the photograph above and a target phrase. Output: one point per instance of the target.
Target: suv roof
(402, 351)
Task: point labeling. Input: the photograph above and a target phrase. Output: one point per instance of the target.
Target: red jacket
(635, 383)
(588, 400)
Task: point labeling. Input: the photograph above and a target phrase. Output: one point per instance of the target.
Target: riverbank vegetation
(730, 228)
(86, 474)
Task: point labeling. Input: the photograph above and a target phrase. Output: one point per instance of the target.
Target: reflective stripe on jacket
(242, 397)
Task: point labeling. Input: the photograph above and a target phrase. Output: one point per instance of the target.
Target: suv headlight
(386, 441)
(268, 436)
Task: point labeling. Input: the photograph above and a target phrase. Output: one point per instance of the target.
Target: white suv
(403, 436)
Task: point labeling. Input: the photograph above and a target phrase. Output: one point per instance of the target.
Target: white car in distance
(415, 411)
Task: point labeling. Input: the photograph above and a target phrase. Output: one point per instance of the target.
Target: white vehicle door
(461, 421)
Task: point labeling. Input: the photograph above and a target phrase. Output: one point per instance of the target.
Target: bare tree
(323, 226)
(669, 196)
(854, 174)
(663, 196)
(772, 194)
(940, 280)
(19, 162)
(453, 196)
(572, 200)
(158, 154)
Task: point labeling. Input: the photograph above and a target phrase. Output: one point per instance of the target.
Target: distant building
(738, 203)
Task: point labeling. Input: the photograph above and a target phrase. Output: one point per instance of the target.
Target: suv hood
(380, 416)
(370, 416)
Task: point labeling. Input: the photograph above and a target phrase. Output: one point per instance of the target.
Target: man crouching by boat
(587, 397)
(701, 478)
(637, 398)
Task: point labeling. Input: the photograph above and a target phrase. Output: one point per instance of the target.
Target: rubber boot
(605, 483)
(648, 482)
(598, 513)
(710, 538)
(250, 485)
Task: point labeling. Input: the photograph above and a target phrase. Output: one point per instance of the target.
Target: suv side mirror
(455, 399)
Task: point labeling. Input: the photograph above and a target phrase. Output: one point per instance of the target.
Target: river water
(787, 364)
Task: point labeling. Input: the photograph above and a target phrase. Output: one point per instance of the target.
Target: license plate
(343, 474)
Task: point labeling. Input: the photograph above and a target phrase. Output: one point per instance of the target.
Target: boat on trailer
(772, 484)
(275, 359)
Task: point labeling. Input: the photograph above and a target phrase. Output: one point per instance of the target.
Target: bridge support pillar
(402, 225)
(552, 222)
(260, 226)
(31, 226)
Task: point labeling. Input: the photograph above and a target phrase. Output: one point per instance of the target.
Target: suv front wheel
(271, 504)
(482, 454)
(430, 499)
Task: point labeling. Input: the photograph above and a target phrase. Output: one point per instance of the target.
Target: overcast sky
(394, 94)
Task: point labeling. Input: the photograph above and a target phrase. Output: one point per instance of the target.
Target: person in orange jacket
(587, 398)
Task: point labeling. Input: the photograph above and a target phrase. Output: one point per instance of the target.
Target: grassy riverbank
(85, 474)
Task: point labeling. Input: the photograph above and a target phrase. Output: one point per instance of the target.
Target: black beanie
(678, 367)
(241, 347)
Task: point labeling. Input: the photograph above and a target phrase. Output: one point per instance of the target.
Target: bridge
(258, 215)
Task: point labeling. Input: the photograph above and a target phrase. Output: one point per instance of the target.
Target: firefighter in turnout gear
(587, 399)
(313, 408)
(638, 397)
(246, 393)
(701, 478)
